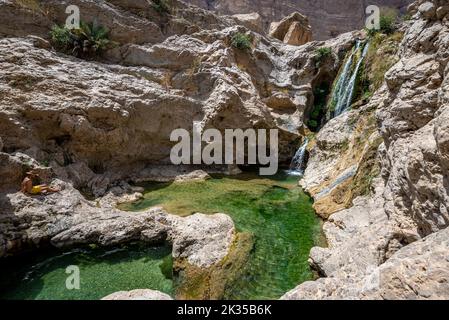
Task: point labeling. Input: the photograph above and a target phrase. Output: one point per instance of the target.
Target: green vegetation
(387, 23)
(161, 6)
(274, 210)
(61, 37)
(312, 124)
(406, 17)
(94, 37)
(388, 20)
(241, 41)
(319, 110)
(321, 54)
(381, 56)
(86, 42)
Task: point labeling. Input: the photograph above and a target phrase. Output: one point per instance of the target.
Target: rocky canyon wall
(390, 244)
(98, 123)
(116, 114)
(328, 18)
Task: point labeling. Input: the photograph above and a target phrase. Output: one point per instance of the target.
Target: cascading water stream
(344, 89)
(297, 164)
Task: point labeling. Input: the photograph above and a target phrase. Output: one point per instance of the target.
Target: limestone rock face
(328, 18)
(294, 29)
(398, 277)
(414, 165)
(252, 21)
(139, 294)
(201, 239)
(95, 123)
(391, 244)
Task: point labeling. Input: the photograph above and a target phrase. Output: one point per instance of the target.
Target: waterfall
(343, 92)
(297, 164)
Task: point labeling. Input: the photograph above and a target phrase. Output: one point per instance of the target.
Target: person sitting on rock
(28, 188)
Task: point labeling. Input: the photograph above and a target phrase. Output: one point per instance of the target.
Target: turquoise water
(275, 210)
(102, 272)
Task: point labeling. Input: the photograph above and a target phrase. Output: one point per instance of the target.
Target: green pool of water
(102, 272)
(275, 210)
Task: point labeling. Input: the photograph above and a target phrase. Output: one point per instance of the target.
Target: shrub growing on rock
(388, 19)
(316, 115)
(322, 54)
(61, 37)
(387, 23)
(86, 42)
(241, 41)
(161, 6)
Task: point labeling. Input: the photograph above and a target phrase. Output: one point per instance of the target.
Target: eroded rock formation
(95, 123)
(92, 125)
(390, 245)
(294, 29)
(328, 18)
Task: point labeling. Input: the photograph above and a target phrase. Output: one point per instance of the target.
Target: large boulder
(252, 21)
(294, 29)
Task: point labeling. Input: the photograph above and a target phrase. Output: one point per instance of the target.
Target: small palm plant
(91, 39)
(87, 41)
(97, 36)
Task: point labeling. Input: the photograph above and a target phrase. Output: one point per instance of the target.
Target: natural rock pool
(275, 211)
